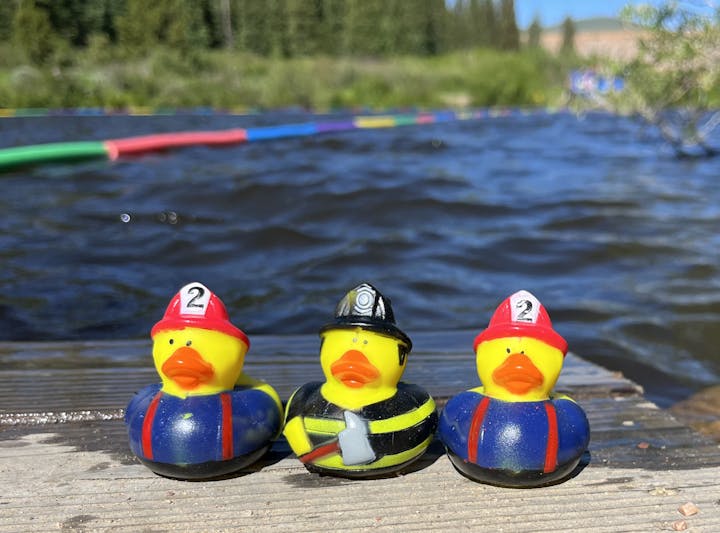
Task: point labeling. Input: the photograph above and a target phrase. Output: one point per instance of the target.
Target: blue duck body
(513, 443)
(204, 435)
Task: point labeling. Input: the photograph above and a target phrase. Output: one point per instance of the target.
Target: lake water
(618, 238)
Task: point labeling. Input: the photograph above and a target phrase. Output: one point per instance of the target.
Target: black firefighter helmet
(366, 307)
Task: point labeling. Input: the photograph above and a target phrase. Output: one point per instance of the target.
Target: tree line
(278, 28)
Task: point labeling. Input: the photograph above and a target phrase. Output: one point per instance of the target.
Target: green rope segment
(31, 155)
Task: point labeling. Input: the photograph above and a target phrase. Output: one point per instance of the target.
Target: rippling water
(617, 238)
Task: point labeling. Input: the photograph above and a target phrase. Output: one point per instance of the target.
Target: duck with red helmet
(207, 418)
(514, 430)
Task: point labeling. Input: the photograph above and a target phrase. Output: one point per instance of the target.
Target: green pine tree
(186, 29)
(459, 25)
(7, 14)
(436, 27)
(568, 39)
(362, 22)
(332, 27)
(75, 20)
(224, 15)
(534, 33)
(215, 15)
(488, 25)
(260, 26)
(473, 22)
(137, 26)
(304, 18)
(509, 34)
(403, 28)
(32, 32)
(112, 9)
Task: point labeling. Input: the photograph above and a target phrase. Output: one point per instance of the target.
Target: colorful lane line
(117, 148)
(137, 111)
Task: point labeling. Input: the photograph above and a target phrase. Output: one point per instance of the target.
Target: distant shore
(617, 44)
(103, 75)
(225, 79)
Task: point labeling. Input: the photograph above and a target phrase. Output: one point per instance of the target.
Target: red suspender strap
(146, 438)
(227, 426)
(475, 425)
(552, 440)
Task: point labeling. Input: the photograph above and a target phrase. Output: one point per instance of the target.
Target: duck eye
(522, 352)
(402, 353)
(365, 341)
(188, 343)
(508, 350)
(172, 341)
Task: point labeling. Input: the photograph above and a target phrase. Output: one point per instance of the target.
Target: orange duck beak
(354, 370)
(518, 374)
(187, 368)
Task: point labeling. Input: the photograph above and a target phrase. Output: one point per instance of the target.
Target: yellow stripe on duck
(362, 421)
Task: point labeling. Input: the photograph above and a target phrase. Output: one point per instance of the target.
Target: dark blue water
(618, 238)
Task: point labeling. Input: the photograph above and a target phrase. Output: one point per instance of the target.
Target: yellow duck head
(363, 353)
(196, 349)
(519, 356)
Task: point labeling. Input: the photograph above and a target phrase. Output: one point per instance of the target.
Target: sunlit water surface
(618, 238)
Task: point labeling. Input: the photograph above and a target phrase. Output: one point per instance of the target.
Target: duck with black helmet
(362, 421)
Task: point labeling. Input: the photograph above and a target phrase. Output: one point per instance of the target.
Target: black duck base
(205, 471)
(509, 478)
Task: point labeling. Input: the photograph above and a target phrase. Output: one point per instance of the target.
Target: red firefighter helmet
(197, 306)
(522, 315)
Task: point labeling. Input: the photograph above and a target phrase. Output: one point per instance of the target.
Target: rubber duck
(361, 422)
(514, 430)
(206, 418)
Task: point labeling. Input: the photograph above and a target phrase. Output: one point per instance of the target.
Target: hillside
(607, 37)
(593, 24)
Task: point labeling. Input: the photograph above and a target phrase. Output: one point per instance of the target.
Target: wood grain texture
(65, 464)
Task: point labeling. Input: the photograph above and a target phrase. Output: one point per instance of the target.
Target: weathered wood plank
(65, 464)
(91, 490)
(618, 427)
(104, 375)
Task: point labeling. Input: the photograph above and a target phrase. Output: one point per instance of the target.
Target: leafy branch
(674, 80)
(677, 70)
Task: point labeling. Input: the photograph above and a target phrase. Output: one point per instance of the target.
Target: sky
(553, 12)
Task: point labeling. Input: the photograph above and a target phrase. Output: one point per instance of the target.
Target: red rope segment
(117, 148)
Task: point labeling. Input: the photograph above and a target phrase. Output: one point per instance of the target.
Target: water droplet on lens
(125, 217)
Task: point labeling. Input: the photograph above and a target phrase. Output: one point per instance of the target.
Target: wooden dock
(65, 463)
